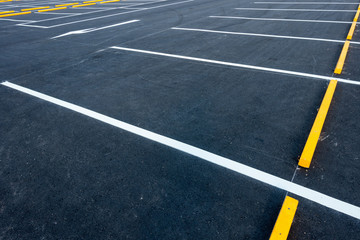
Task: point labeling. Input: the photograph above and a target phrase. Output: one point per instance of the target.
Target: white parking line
(274, 70)
(283, 19)
(262, 35)
(88, 30)
(312, 3)
(294, 10)
(243, 169)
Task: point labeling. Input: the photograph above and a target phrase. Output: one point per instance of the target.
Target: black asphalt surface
(67, 176)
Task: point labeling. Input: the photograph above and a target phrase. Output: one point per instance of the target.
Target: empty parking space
(178, 119)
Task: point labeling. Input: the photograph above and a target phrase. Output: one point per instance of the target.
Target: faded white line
(294, 10)
(300, 74)
(262, 35)
(243, 169)
(283, 19)
(88, 30)
(311, 3)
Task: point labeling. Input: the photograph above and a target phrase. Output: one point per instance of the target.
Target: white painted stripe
(262, 35)
(300, 74)
(283, 19)
(315, 3)
(253, 173)
(88, 30)
(294, 10)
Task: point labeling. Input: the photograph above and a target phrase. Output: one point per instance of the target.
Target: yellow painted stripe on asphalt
(351, 32)
(29, 9)
(110, 1)
(285, 219)
(314, 135)
(83, 5)
(92, 1)
(14, 14)
(340, 63)
(357, 15)
(68, 4)
(7, 12)
(52, 9)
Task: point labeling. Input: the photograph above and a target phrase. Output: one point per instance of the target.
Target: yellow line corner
(314, 135)
(286, 216)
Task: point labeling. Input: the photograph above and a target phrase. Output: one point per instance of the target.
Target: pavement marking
(310, 146)
(100, 17)
(83, 5)
(14, 14)
(67, 4)
(353, 26)
(110, 1)
(294, 10)
(316, 3)
(286, 216)
(52, 9)
(36, 8)
(340, 63)
(243, 169)
(93, 29)
(92, 1)
(7, 12)
(262, 35)
(351, 31)
(266, 69)
(282, 19)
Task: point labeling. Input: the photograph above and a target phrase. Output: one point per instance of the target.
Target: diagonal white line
(262, 35)
(253, 173)
(300, 74)
(294, 10)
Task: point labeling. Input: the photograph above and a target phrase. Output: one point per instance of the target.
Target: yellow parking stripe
(29, 9)
(68, 4)
(83, 5)
(14, 14)
(314, 135)
(285, 219)
(340, 64)
(92, 1)
(52, 9)
(351, 32)
(110, 1)
(6, 12)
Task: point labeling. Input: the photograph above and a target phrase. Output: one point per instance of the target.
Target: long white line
(300, 74)
(283, 19)
(88, 30)
(315, 3)
(262, 35)
(243, 169)
(294, 10)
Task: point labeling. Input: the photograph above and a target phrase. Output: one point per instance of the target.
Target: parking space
(177, 119)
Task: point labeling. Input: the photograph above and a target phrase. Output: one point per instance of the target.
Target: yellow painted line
(37, 8)
(357, 15)
(52, 9)
(83, 5)
(7, 12)
(68, 4)
(110, 1)
(351, 32)
(340, 63)
(285, 219)
(14, 14)
(92, 1)
(314, 135)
